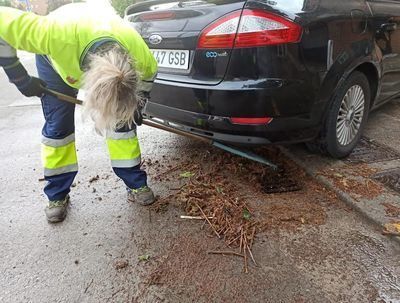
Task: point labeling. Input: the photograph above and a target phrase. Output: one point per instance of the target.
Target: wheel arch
(335, 79)
(325, 143)
(371, 72)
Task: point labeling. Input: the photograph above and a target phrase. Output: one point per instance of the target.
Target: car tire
(346, 117)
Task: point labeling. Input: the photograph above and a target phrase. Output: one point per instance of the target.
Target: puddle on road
(370, 253)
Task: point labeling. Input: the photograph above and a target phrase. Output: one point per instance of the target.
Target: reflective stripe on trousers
(59, 155)
(124, 149)
(58, 141)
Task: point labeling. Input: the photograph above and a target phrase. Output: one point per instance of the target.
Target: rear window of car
(162, 5)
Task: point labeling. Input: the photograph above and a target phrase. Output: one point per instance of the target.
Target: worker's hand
(138, 117)
(145, 96)
(34, 87)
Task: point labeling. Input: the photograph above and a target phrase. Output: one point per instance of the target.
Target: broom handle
(177, 131)
(63, 97)
(235, 151)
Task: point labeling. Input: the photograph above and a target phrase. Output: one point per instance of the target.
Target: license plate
(169, 58)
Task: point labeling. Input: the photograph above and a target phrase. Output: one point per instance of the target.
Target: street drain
(389, 178)
(369, 151)
(280, 182)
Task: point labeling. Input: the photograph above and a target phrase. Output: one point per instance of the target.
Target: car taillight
(251, 121)
(249, 28)
(220, 34)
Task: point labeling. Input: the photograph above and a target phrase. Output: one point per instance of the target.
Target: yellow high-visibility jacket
(66, 41)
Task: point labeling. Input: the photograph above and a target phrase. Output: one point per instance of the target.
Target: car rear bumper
(207, 110)
(222, 130)
(238, 98)
(218, 128)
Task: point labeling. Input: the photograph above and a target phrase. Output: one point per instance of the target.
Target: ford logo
(155, 39)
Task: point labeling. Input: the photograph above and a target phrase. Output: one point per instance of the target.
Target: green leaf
(246, 214)
(187, 174)
(144, 258)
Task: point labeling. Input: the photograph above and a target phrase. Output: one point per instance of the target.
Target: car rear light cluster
(249, 28)
(251, 121)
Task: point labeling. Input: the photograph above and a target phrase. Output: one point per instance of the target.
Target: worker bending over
(110, 61)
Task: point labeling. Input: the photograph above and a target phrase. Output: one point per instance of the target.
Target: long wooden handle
(63, 97)
(232, 150)
(177, 131)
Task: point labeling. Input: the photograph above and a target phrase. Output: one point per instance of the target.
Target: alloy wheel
(350, 115)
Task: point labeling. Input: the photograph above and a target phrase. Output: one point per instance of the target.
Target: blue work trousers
(58, 140)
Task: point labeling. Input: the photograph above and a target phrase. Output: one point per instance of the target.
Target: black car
(272, 71)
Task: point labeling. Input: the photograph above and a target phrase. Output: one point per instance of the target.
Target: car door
(386, 28)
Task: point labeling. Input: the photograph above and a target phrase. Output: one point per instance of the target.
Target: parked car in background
(282, 71)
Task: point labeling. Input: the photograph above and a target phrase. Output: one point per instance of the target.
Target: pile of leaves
(212, 192)
(228, 216)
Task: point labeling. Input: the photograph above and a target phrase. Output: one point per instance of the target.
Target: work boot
(144, 195)
(56, 211)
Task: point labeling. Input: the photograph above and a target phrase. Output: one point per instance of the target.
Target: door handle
(388, 27)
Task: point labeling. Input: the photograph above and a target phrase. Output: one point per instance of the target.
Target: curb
(343, 196)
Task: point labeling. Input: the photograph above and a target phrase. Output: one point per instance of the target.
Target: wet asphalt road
(346, 259)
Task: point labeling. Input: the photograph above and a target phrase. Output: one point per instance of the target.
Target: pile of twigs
(246, 240)
(229, 217)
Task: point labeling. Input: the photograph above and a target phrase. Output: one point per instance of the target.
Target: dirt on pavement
(355, 179)
(221, 186)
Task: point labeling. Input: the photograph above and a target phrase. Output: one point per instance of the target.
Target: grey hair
(110, 82)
